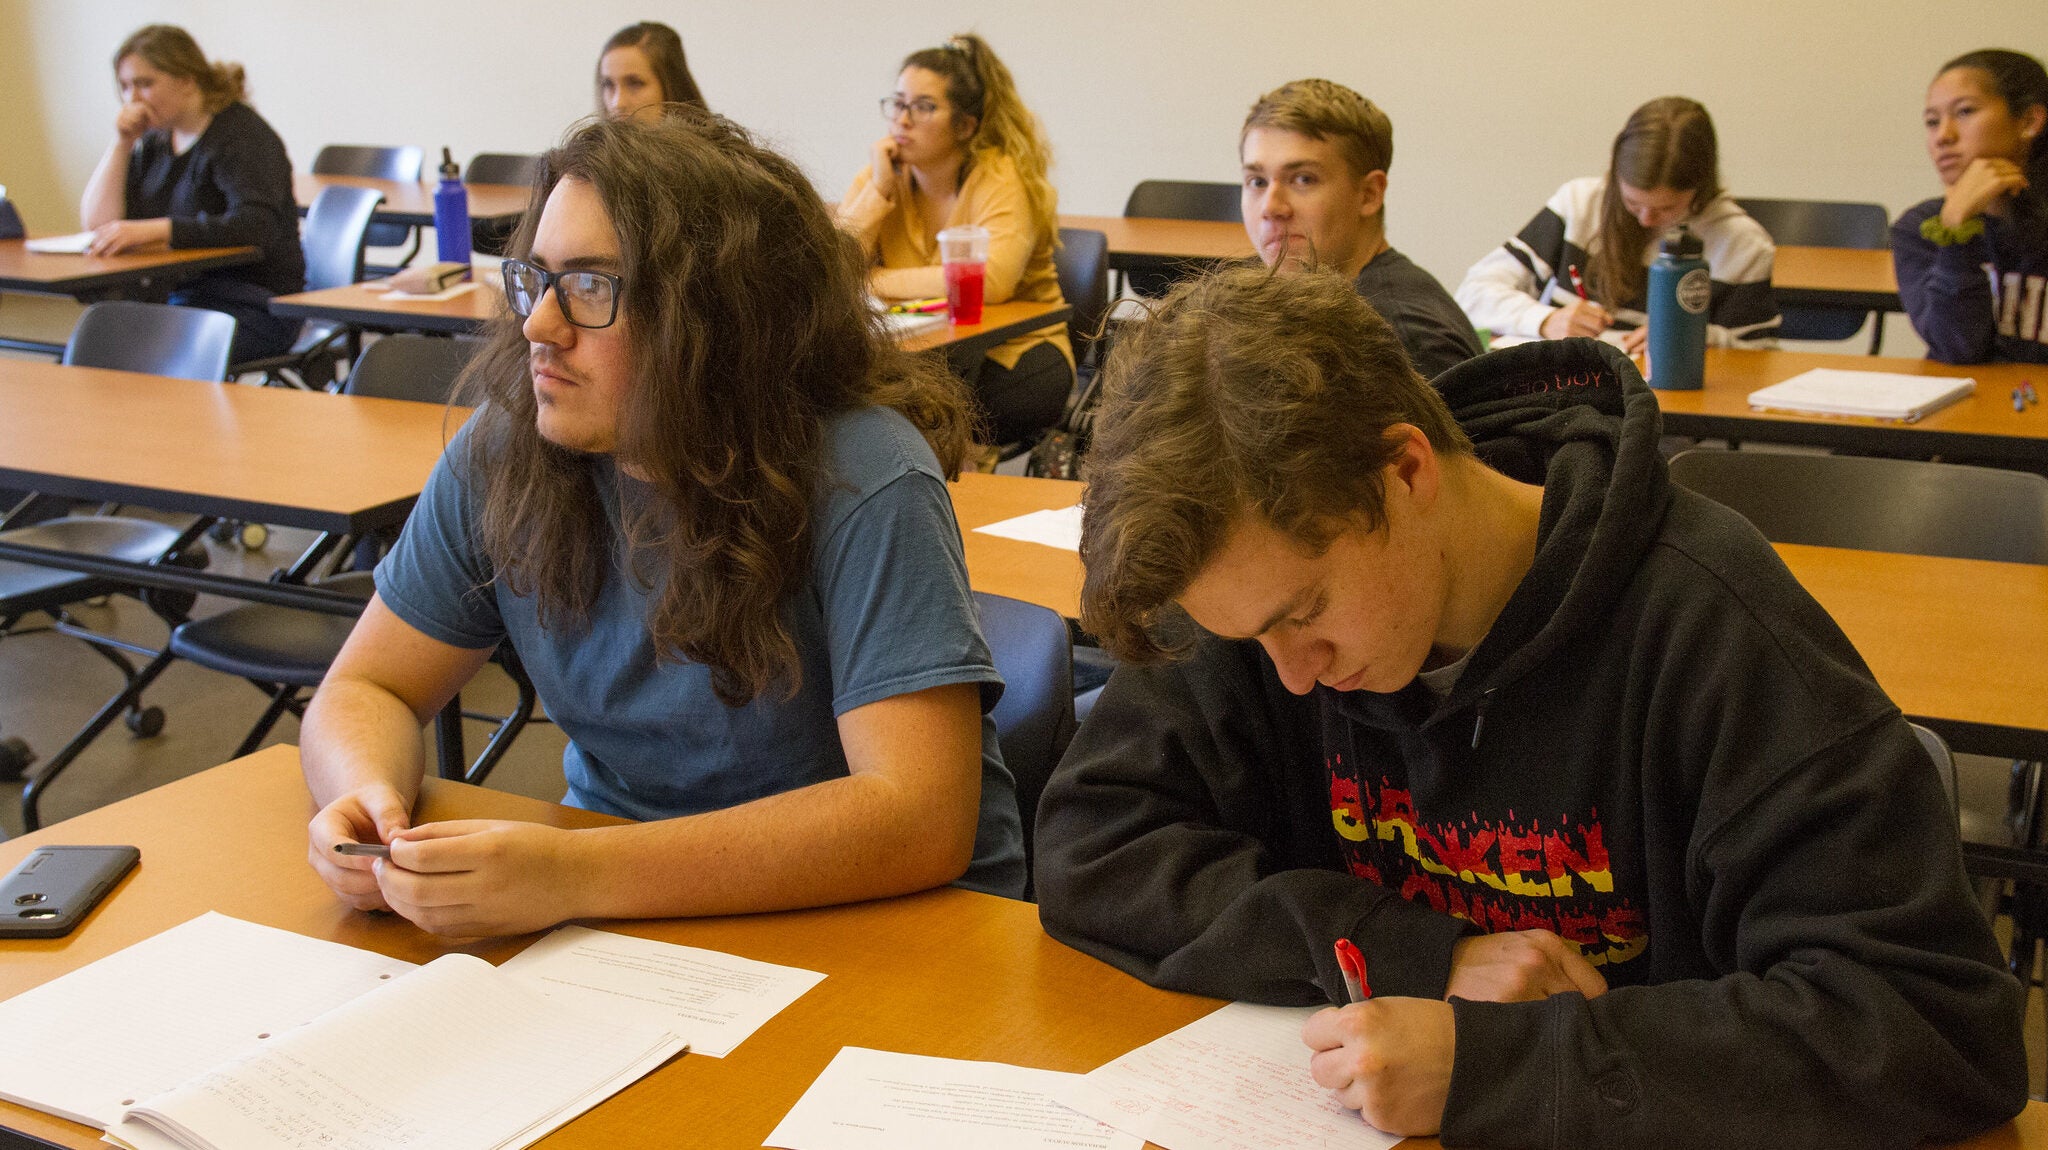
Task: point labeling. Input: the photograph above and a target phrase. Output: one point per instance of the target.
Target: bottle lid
(1680, 243)
(449, 169)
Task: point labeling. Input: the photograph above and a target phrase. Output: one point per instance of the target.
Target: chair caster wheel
(15, 757)
(254, 536)
(146, 723)
(222, 531)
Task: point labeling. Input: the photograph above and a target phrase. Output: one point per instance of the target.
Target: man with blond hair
(1315, 156)
(1636, 851)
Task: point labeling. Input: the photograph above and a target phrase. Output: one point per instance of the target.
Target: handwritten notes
(879, 1100)
(1234, 1080)
(711, 1000)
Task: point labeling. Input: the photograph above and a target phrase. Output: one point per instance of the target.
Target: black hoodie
(1663, 750)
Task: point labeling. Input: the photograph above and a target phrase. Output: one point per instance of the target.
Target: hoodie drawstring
(1479, 715)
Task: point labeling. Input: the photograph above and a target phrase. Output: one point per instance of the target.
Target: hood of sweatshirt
(1576, 417)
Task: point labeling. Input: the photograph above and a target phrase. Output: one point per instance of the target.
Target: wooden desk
(152, 272)
(359, 306)
(413, 204)
(1853, 279)
(264, 454)
(1982, 426)
(1138, 241)
(1000, 323)
(1032, 572)
(948, 972)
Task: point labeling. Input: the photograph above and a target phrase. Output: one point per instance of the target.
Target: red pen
(1578, 285)
(1352, 963)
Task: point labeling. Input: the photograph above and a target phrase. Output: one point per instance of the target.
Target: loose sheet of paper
(1234, 1080)
(453, 1055)
(142, 1020)
(73, 244)
(712, 1001)
(879, 1100)
(1059, 528)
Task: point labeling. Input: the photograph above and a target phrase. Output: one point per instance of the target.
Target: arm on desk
(903, 820)
(360, 742)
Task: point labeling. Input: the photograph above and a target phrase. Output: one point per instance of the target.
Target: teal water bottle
(1680, 290)
(451, 213)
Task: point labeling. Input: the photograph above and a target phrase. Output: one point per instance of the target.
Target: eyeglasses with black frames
(587, 298)
(921, 109)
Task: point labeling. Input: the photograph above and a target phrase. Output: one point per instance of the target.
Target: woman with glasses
(193, 166)
(704, 500)
(641, 68)
(963, 149)
(1987, 133)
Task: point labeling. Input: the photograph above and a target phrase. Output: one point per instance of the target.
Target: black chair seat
(27, 587)
(271, 644)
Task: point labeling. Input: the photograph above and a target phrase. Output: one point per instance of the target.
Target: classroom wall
(1494, 104)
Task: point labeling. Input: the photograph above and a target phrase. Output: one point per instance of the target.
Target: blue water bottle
(1680, 290)
(451, 213)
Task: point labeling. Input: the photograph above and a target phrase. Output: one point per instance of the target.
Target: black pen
(371, 850)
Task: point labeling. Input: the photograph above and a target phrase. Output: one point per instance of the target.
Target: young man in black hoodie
(1636, 850)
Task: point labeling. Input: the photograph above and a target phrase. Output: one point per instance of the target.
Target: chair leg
(1876, 331)
(281, 700)
(448, 739)
(32, 794)
(501, 739)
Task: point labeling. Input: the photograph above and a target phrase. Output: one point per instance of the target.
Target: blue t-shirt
(885, 610)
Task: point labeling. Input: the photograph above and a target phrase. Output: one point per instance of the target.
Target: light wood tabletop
(86, 277)
(948, 973)
(1982, 425)
(413, 203)
(262, 454)
(1842, 277)
(370, 307)
(1140, 238)
(1944, 637)
(1000, 322)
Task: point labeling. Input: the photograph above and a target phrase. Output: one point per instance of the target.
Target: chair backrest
(415, 367)
(1035, 718)
(1821, 224)
(1944, 765)
(1902, 505)
(1083, 265)
(336, 225)
(1186, 200)
(154, 338)
(501, 168)
(401, 162)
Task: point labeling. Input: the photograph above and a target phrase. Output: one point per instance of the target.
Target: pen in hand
(1578, 285)
(370, 850)
(1352, 963)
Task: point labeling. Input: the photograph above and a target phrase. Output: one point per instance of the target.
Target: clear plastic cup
(964, 251)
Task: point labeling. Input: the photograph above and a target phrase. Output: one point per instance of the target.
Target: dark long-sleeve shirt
(233, 186)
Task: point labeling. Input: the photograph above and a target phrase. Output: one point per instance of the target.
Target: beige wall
(1494, 104)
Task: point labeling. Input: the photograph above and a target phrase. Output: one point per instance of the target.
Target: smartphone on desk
(53, 889)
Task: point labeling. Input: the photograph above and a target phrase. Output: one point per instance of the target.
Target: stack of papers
(73, 244)
(1876, 394)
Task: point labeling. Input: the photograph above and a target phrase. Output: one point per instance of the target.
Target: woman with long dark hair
(193, 166)
(1581, 265)
(1973, 262)
(641, 68)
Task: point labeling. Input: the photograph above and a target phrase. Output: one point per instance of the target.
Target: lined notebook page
(144, 1019)
(455, 1055)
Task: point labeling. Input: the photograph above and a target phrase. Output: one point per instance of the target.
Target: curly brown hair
(1243, 393)
(751, 327)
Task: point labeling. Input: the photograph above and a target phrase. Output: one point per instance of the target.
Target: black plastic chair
(285, 652)
(333, 238)
(1082, 262)
(1824, 224)
(1901, 505)
(1176, 200)
(402, 162)
(121, 335)
(491, 236)
(1035, 717)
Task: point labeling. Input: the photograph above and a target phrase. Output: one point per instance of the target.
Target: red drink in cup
(963, 291)
(964, 250)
